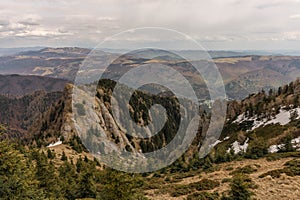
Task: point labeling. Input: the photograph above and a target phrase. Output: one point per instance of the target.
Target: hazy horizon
(89, 47)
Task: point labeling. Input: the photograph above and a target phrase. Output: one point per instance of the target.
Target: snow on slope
(55, 144)
(237, 147)
(218, 141)
(275, 148)
(283, 118)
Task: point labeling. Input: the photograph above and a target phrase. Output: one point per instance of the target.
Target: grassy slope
(285, 187)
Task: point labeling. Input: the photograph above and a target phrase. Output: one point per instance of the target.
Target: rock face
(97, 119)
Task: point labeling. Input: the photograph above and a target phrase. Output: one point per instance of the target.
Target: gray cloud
(28, 23)
(4, 22)
(220, 24)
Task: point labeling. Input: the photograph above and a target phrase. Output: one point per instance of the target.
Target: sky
(215, 24)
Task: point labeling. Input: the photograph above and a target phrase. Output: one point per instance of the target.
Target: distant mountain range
(12, 51)
(242, 73)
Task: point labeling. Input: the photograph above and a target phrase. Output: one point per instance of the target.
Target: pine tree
(16, 174)
(79, 165)
(119, 185)
(250, 110)
(296, 100)
(86, 159)
(69, 177)
(50, 154)
(290, 88)
(86, 180)
(257, 148)
(240, 188)
(46, 175)
(64, 157)
(288, 146)
(279, 91)
(271, 92)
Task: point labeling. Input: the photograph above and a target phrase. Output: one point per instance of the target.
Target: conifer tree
(64, 157)
(46, 175)
(69, 177)
(16, 174)
(118, 185)
(240, 188)
(257, 148)
(86, 182)
(50, 154)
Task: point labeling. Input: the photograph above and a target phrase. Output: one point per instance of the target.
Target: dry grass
(269, 188)
(282, 188)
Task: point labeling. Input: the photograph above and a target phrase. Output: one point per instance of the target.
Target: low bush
(226, 180)
(229, 168)
(292, 168)
(277, 156)
(181, 190)
(203, 196)
(274, 173)
(240, 186)
(205, 184)
(248, 169)
(257, 148)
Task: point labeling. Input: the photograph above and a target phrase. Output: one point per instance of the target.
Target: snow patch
(275, 148)
(237, 147)
(55, 144)
(239, 118)
(283, 118)
(226, 138)
(218, 141)
(296, 140)
(215, 143)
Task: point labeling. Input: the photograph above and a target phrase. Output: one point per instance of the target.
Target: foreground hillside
(45, 174)
(264, 184)
(58, 172)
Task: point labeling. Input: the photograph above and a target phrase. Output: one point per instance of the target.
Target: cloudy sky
(215, 24)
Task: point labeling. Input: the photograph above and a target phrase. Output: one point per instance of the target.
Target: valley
(242, 74)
